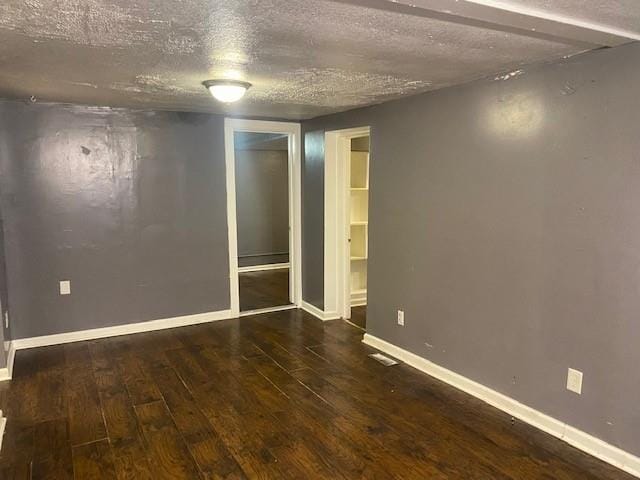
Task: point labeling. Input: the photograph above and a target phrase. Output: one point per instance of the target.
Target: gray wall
(504, 221)
(5, 331)
(313, 218)
(130, 206)
(262, 206)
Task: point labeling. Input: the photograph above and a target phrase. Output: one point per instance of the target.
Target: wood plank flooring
(274, 396)
(264, 289)
(359, 316)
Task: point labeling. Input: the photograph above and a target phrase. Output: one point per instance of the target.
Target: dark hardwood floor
(359, 316)
(269, 288)
(273, 396)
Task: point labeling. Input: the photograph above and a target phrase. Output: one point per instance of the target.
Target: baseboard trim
(358, 299)
(127, 329)
(258, 311)
(265, 267)
(3, 424)
(7, 372)
(316, 312)
(571, 435)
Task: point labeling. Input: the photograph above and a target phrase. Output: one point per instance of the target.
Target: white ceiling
(304, 58)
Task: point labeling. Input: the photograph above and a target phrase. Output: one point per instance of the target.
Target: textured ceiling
(304, 58)
(623, 14)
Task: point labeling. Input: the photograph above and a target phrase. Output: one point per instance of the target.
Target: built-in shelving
(359, 201)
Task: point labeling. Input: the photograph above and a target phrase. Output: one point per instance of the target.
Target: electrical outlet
(401, 318)
(574, 381)
(65, 287)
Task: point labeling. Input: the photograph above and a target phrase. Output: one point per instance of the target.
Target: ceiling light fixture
(227, 91)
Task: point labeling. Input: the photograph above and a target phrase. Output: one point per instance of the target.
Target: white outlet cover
(574, 381)
(65, 287)
(401, 317)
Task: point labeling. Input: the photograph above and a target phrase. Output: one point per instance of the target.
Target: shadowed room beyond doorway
(261, 162)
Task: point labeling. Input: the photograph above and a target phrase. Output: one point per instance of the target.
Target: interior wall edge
(319, 313)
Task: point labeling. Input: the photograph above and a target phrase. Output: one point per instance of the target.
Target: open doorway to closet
(347, 161)
(358, 241)
(263, 210)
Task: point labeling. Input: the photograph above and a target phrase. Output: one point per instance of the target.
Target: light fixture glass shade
(227, 91)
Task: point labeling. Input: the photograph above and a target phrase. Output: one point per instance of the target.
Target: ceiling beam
(506, 17)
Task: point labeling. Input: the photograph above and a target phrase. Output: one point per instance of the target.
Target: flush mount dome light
(227, 91)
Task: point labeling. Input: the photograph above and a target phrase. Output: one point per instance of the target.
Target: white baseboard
(95, 333)
(248, 313)
(577, 438)
(261, 268)
(316, 312)
(3, 424)
(7, 372)
(358, 299)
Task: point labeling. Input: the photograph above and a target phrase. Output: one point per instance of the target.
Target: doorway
(347, 162)
(263, 209)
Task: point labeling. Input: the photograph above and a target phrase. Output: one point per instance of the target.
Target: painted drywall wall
(504, 222)
(129, 206)
(262, 206)
(5, 331)
(313, 218)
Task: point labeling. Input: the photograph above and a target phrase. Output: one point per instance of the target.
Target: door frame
(232, 125)
(337, 264)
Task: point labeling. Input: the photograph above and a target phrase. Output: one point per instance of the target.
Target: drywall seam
(571, 435)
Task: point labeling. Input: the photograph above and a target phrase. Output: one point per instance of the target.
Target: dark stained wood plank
(171, 458)
(139, 385)
(117, 408)
(130, 460)
(86, 421)
(264, 289)
(208, 450)
(52, 453)
(214, 459)
(20, 471)
(185, 362)
(359, 316)
(17, 443)
(84, 411)
(93, 461)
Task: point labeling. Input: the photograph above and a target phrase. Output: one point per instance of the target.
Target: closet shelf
(358, 258)
(359, 222)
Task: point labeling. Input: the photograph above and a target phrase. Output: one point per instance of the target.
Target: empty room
(329, 239)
